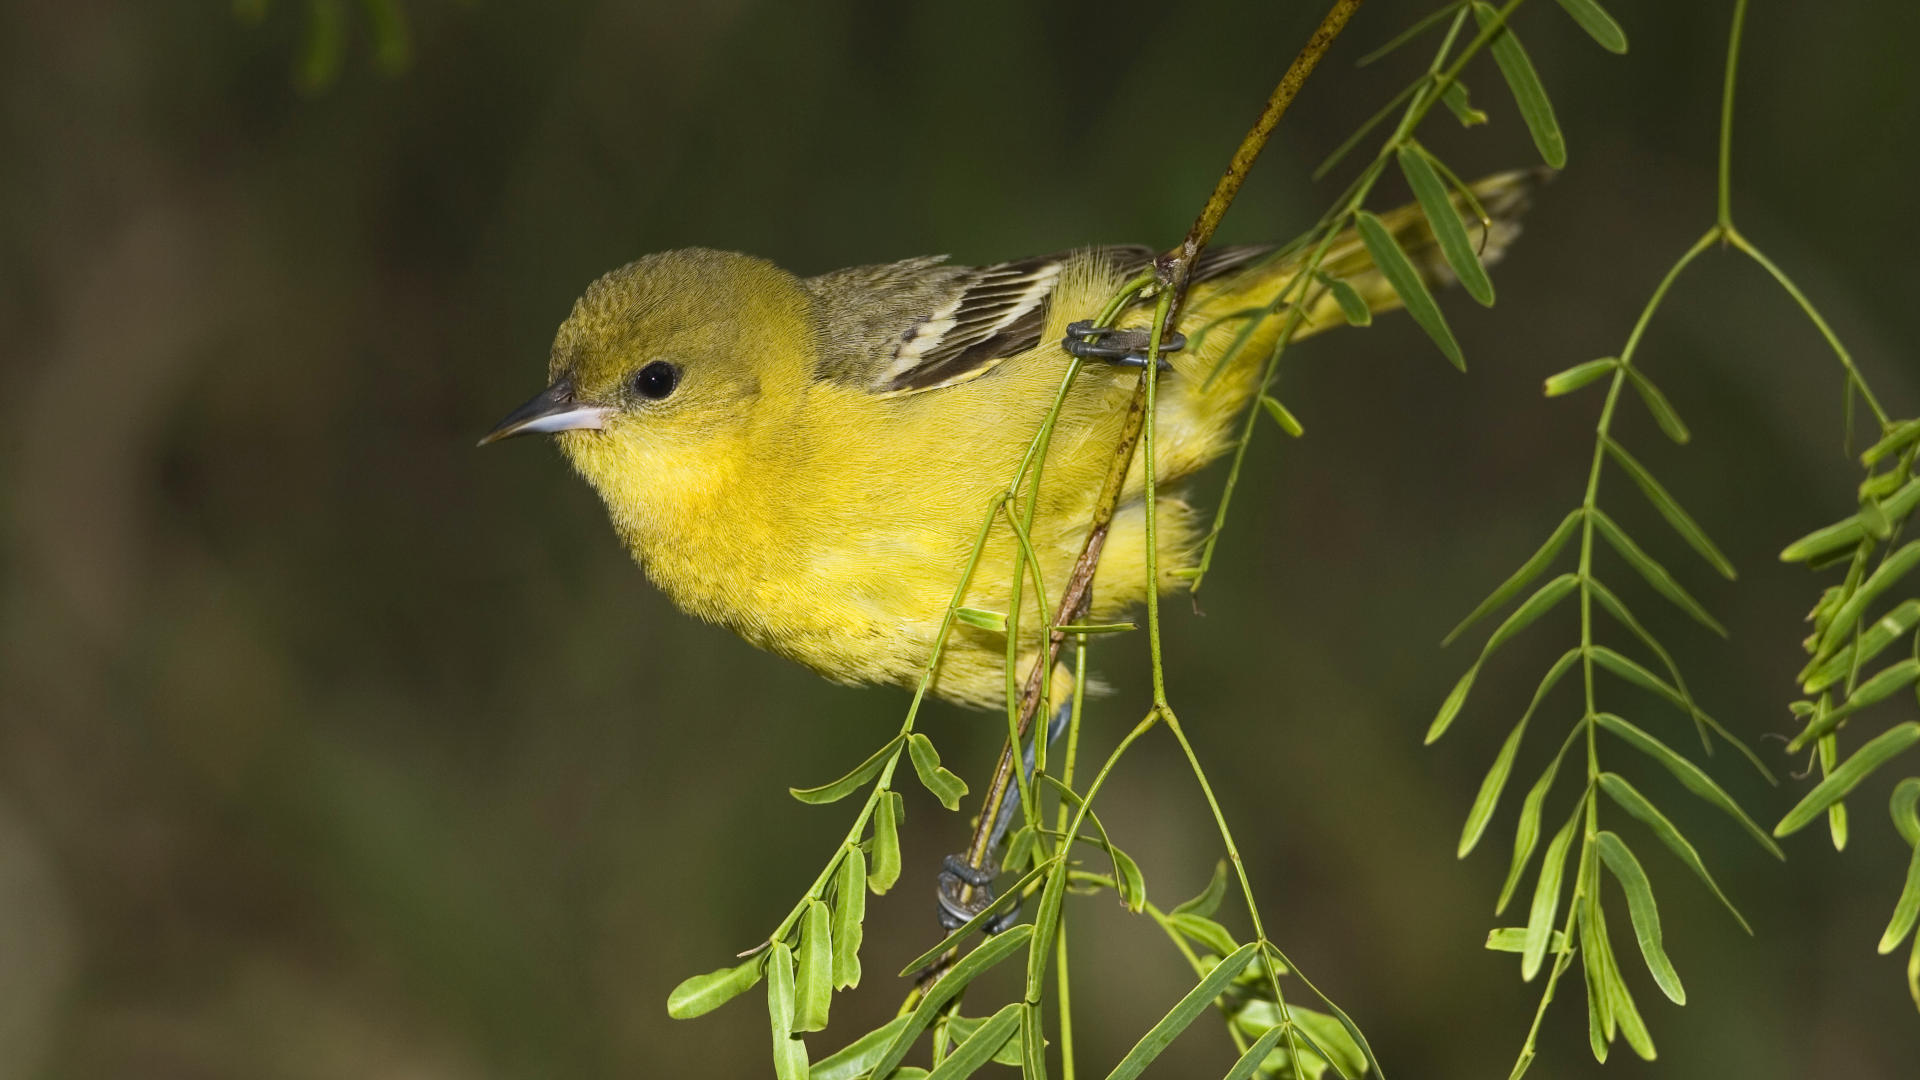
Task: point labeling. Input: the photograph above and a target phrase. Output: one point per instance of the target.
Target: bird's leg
(966, 881)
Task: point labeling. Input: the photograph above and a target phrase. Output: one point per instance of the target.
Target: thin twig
(1173, 271)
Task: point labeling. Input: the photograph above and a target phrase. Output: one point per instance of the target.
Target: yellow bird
(809, 460)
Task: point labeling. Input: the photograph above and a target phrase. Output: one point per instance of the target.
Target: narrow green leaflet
(1902, 436)
(1205, 931)
(1579, 375)
(1352, 307)
(1528, 94)
(1597, 23)
(1455, 98)
(886, 843)
(1406, 281)
(1209, 899)
(1046, 923)
(702, 994)
(789, 1053)
(1257, 1053)
(1513, 939)
(1848, 776)
(1601, 1025)
(984, 620)
(1183, 1013)
(1541, 602)
(991, 952)
(1508, 589)
(946, 787)
(1646, 915)
(1884, 577)
(1546, 900)
(1287, 421)
(839, 789)
(1884, 684)
(1663, 411)
(1527, 833)
(1653, 573)
(1638, 675)
(1690, 776)
(813, 984)
(1682, 523)
(1636, 804)
(1906, 910)
(980, 1046)
(960, 1028)
(1885, 631)
(1621, 1010)
(1905, 808)
(1837, 812)
(856, 1059)
(1448, 230)
(849, 916)
(1847, 532)
(1496, 778)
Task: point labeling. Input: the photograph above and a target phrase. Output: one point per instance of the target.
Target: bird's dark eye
(656, 380)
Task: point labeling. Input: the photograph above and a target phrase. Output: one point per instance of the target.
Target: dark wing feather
(915, 325)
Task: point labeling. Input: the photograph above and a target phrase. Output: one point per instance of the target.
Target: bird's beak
(553, 409)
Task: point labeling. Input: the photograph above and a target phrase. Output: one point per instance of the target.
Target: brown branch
(1173, 270)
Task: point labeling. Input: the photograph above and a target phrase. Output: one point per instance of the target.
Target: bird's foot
(958, 879)
(1121, 348)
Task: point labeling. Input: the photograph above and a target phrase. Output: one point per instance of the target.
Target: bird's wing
(920, 324)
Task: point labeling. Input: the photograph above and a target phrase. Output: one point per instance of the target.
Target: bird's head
(665, 369)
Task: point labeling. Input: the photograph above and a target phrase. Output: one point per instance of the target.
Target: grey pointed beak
(553, 409)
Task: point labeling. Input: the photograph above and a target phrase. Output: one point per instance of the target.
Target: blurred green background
(332, 747)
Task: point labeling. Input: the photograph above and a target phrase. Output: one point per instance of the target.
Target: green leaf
(1601, 1024)
(813, 984)
(1496, 778)
(1905, 808)
(1597, 23)
(1133, 884)
(960, 1028)
(1448, 230)
(1455, 98)
(1528, 94)
(1836, 813)
(1579, 375)
(1097, 628)
(1906, 910)
(789, 1053)
(1646, 915)
(1825, 541)
(1636, 804)
(991, 952)
(849, 916)
(886, 843)
(1620, 1010)
(702, 994)
(1690, 776)
(1046, 923)
(1287, 421)
(1657, 404)
(1205, 931)
(1541, 559)
(984, 620)
(1639, 676)
(1527, 833)
(1546, 900)
(1183, 1013)
(855, 1060)
(1689, 530)
(1243, 1069)
(981, 1046)
(1884, 577)
(1894, 441)
(1352, 307)
(839, 789)
(946, 787)
(1513, 939)
(1541, 602)
(1405, 280)
(1848, 776)
(1653, 573)
(1884, 684)
(1209, 899)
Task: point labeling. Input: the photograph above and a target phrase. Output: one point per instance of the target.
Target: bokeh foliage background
(331, 747)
